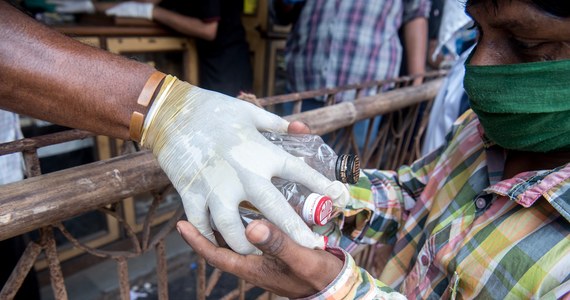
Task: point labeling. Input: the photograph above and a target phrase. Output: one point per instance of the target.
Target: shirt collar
(525, 188)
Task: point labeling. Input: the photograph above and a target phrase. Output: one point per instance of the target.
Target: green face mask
(522, 106)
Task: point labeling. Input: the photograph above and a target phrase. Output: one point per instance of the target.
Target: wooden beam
(330, 118)
(50, 198)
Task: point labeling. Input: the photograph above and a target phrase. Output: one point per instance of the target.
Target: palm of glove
(210, 147)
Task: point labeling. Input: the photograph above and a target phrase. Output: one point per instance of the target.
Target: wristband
(145, 98)
(163, 92)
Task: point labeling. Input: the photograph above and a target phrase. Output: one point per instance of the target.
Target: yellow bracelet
(145, 98)
(160, 98)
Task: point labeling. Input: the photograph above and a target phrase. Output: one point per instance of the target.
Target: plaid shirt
(334, 43)
(457, 229)
(11, 165)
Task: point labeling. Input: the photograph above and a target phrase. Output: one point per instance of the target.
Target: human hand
(73, 6)
(285, 268)
(131, 9)
(210, 147)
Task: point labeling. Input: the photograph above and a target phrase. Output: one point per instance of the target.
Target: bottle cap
(317, 209)
(347, 169)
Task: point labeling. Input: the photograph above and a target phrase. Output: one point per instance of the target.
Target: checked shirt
(340, 42)
(457, 229)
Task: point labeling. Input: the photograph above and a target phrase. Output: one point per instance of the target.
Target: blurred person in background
(223, 51)
(336, 43)
(455, 33)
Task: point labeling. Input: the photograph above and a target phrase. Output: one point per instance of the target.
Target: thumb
(268, 238)
(272, 241)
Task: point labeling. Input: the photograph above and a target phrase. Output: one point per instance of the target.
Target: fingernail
(178, 228)
(258, 232)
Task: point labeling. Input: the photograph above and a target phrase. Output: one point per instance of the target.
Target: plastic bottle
(320, 156)
(314, 209)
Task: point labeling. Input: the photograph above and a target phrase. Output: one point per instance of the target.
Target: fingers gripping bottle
(315, 209)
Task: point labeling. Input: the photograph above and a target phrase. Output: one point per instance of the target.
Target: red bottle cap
(317, 209)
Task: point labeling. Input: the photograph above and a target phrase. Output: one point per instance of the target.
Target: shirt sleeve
(415, 9)
(210, 10)
(354, 282)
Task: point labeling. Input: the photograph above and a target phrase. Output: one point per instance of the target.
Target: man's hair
(559, 8)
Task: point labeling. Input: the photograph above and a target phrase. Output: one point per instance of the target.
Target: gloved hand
(131, 9)
(73, 6)
(210, 147)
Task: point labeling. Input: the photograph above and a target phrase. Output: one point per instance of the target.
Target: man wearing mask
(484, 216)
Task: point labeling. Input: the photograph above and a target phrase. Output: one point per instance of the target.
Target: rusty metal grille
(32, 205)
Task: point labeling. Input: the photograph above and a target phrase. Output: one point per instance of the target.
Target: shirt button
(425, 260)
(480, 203)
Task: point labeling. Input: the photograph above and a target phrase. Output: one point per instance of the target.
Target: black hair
(558, 8)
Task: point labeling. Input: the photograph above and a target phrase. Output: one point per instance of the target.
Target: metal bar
(32, 163)
(241, 288)
(19, 273)
(201, 279)
(212, 280)
(324, 91)
(44, 140)
(235, 292)
(55, 274)
(161, 271)
(123, 272)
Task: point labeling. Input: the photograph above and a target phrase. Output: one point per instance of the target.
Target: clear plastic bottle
(314, 209)
(320, 156)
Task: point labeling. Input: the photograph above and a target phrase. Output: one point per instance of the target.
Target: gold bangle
(163, 93)
(145, 98)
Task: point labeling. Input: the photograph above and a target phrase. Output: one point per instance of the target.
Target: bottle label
(317, 209)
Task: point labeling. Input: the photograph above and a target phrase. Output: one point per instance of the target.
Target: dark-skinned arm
(186, 25)
(189, 26)
(49, 76)
(415, 43)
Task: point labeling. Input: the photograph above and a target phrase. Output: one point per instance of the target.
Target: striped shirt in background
(457, 228)
(340, 42)
(11, 165)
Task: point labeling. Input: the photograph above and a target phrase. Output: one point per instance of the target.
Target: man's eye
(525, 45)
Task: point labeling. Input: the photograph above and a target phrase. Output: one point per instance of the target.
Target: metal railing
(43, 202)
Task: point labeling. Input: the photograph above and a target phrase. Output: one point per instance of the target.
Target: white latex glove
(73, 6)
(131, 9)
(210, 147)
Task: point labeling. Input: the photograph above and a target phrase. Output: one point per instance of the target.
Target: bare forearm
(187, 25)
(415, 42)
(52, 77)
